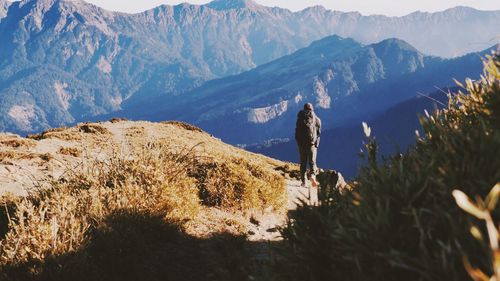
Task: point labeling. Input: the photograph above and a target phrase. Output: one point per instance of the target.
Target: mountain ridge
(233, 4)
(345, 80)
(73, 60)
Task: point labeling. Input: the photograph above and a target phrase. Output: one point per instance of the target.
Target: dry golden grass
(132, 172)
(170, 177)
(118, 120)
(57, 221)
(9, 156)
(136, 131)
(184, 125)
(16, 142)
(93, 129)
(57, 133)
(70, 151)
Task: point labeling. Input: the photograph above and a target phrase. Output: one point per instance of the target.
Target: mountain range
(67, 61)
(345, 80)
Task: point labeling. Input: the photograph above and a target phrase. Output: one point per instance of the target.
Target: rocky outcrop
(4, 6)
(331, 181)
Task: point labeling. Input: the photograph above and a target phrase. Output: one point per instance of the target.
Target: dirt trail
(266, 227)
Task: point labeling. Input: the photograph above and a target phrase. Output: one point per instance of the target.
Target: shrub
(57, 133)
(59, 220)
(139, 211)
(70, 151)
(236, 183)
(400, 221)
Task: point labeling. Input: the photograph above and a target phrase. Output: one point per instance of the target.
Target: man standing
(307, 134)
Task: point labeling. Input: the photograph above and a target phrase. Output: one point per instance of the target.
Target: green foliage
(400, 222)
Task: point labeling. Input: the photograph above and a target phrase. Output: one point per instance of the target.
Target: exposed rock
(330, 180)
(4, 6)
(265, 114)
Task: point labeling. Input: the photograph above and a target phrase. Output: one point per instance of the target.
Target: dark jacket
(300, 135)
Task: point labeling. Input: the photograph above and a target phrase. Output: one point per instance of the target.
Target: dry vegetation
(58, 133)
(142, 191)
(70, 151)
(16, 142)
(183, 125)
(93, 129)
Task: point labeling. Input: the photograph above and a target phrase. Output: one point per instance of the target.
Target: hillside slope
(155, 199)
(53, 154)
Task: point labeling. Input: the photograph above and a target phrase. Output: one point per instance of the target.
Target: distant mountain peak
(233, 4)
(461, 8)
(43, 5)
(395, 43)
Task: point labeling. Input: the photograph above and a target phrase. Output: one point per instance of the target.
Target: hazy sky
(366, 7)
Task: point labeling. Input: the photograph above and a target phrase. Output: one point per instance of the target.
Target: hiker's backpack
(306, 132)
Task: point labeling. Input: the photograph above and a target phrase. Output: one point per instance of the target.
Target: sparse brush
(57, 133)
(70, 151)
(118, 120)
(239, 184)
(16, 142)
(184, 125)
(9, 156)
(93, 129)
(115, 200)
(58, 220)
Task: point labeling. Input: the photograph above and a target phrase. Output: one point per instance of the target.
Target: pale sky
(366, 7)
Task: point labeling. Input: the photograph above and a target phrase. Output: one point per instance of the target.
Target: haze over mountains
(66, 61)
(346, 81)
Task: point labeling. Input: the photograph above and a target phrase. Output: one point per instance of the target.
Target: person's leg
(314, 166)
(303, 163)
(311, 158)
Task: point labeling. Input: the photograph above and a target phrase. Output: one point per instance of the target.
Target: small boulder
(330, 180)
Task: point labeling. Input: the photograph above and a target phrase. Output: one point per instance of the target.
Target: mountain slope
(346, 81)
(70, 60)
